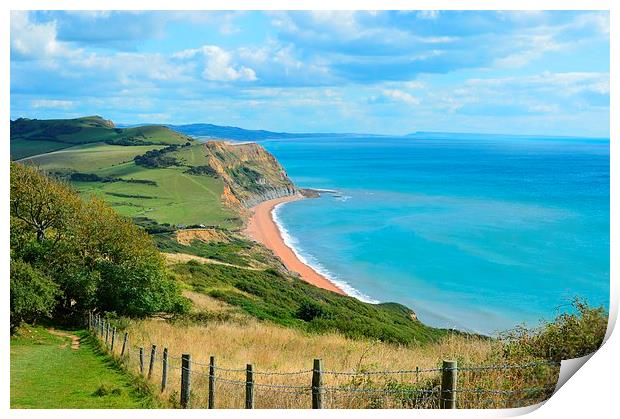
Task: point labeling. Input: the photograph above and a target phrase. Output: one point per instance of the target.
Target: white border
(590, 394)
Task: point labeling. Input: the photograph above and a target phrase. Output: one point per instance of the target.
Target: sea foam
(312, 262)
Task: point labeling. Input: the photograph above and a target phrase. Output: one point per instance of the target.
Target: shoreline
(262, 228)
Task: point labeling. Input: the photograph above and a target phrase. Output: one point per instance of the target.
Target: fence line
(439, 387)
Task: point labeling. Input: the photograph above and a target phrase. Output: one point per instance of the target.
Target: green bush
(33, 294)
(570, 335)
(98, 259)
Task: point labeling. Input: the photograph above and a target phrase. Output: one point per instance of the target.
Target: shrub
(202, 170)
(570, 335)
(33, 294)
(310, 310)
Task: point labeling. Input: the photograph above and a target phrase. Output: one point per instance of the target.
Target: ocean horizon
(477, 233)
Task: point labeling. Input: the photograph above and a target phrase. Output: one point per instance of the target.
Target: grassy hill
(152, 171)
(30, 137)
(286, 300)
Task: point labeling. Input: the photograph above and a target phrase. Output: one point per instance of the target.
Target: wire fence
(185, 383)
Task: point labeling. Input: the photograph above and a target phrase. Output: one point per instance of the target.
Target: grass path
(61, 369)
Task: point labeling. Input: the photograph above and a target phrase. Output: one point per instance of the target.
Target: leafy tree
(33, 294)
(40, 203)
(98, 259)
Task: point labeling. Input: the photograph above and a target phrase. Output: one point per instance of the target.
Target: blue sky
(378, 72)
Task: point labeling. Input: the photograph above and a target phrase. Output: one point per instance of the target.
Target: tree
(39, 202)
(98, 259)
(33, 294)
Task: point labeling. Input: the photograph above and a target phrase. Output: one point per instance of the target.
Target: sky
(384, 72)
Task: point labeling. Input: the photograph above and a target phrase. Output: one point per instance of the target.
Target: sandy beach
(263, 229)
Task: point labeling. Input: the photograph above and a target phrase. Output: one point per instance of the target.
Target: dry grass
(242, 340)
(271, 348)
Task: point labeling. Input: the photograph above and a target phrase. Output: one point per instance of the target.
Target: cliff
(250, 173)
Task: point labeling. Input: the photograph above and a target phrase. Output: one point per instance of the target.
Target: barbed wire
(379, 390)
(215, 367)
(234, 382)
(362, 373)
(396, 372)
(283, 373)
(488, 396)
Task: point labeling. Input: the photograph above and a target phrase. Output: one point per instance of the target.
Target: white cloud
(400, 96)
(414, 84)
(52, 104)
(34, 40)
(218, 64)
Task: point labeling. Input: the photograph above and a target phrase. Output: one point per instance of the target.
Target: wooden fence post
(249, 387)
(152, 360)
(185, 380)
(124, 344)
(448, 385)
(142, 360)
(101, 322)
(164, 369)
(113, 338)
(107, 332)
(317, 384)
(211, 403)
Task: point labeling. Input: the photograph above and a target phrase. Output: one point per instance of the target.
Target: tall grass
(241, 340)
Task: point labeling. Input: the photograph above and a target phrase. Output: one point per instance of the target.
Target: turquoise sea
(478, 233)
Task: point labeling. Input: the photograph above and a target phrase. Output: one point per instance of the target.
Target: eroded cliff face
(251, 174)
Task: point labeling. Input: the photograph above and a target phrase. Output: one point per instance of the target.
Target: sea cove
(473, 232)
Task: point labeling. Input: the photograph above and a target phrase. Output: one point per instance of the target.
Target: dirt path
(75, 340)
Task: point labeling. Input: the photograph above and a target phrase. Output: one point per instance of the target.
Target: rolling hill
(236, 133)
(30, 137)
(151, 171)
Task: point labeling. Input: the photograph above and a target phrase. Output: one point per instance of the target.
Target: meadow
(47, 373)
(172, 195)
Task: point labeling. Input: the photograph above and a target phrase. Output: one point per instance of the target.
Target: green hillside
(289, 301)
(152, 171)
(175, 197)
(30, 137)
(98, 159)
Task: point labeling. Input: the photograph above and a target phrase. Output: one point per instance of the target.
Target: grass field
(25, 148)
(89, 158)
(47, 373)
(192, 156)
(178, 198)
(179, 188)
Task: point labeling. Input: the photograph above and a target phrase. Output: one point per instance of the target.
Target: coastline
(263, 228)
